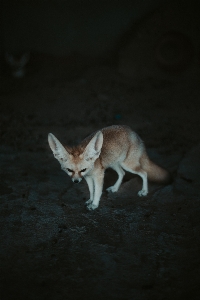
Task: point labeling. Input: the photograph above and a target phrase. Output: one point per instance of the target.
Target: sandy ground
(130, 247)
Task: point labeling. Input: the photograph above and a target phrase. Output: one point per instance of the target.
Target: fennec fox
(116, 147)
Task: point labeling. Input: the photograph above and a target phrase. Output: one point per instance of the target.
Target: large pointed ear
(59, 151)
(93, 149)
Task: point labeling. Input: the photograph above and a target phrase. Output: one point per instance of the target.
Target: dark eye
(83, 170)
(69, 170)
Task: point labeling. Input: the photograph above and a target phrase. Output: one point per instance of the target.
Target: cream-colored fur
(116, 147)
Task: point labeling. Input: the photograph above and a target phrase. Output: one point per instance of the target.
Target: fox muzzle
(76, 180)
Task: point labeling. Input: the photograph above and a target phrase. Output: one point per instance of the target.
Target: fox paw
(142, 193)
(91, 206)
(88, 202)
(112, 189)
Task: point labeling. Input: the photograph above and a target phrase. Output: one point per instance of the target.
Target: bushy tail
(154, 172)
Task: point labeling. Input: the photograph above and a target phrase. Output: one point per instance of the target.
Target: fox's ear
(59, 151)
(93, 149)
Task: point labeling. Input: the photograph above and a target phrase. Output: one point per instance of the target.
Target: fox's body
(116, 147)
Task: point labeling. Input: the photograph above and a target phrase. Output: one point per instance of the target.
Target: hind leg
(117, 184)
(139, 171)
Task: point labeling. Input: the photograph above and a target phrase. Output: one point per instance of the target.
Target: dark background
(93, 64)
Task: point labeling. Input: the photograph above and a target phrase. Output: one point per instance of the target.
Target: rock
(164, 195)
(188, 179)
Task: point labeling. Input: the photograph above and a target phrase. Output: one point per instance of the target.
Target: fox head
(75, 164)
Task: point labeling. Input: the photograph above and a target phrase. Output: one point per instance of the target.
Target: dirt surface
(130, 247)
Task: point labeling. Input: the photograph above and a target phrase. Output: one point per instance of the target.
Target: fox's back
(117, 140)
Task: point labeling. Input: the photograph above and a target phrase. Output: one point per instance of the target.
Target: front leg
(90, 183)
(117, 184)
(98, 187)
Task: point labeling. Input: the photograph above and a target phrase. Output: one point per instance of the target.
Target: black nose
(76, 181)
